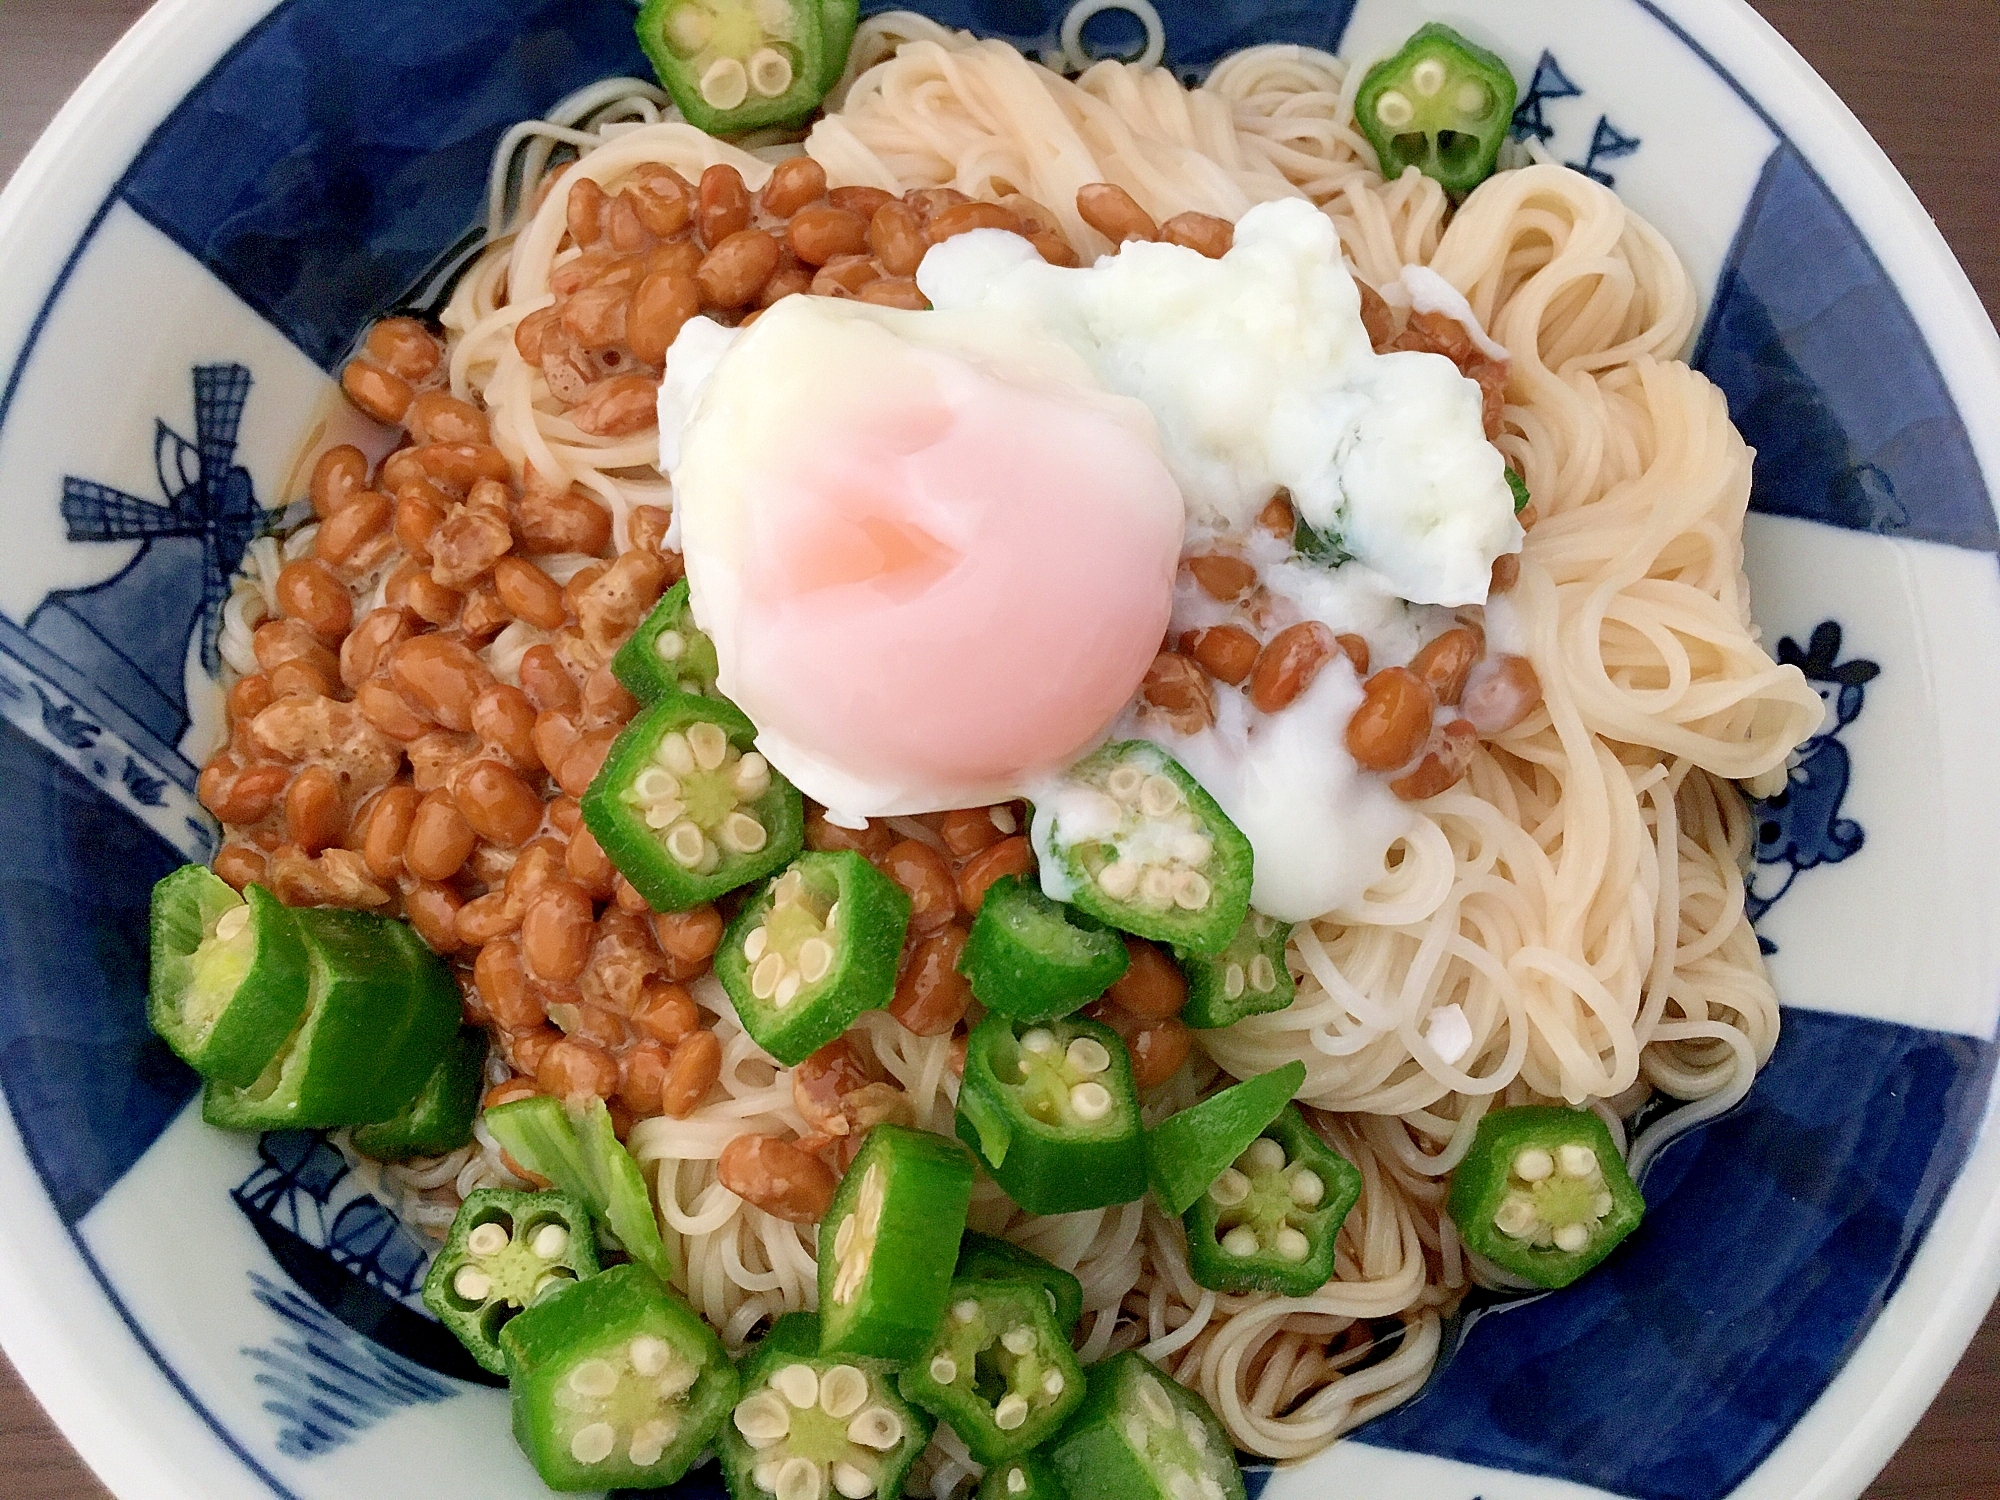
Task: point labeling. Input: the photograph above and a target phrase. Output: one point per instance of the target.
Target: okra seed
(678, 1380)
(663, 815)
(799, 1478)
(791, 885)
(1125, 783)
(843, 1239)
(788, 989)
(649, 1355)
(488, 1239)
(1395, 110)
(229, 926)
(753, 777)
(1572, 1237)
(741, 834)
(593, 1444)
(549, 1243)
(725, 85)
(650, 1440)
(690, 29)
(1472, 98)
(1262, 1155)
(473, 1284)
(1292, 1245)
(1242, 1240)
(1262, 925)
(595, 1378)
(1003, 819)
(878, 1428)
(1516, 1216)
(965, 1311)
(1533, 1164)
(1191, 890)
(1208, 1487)
(1019, 1340)
(1194, 1432)
(798, 1384)
(1011, 1412)
(1229, 1189)
(765, 1475)
(1088, 1055)
(550, 1282)
(770, 72)
(1017, 1481)
(832, 916)
(764, 978)
(815, 958)
(674, 753)
(1038, 1041)
(1193, 849)
(1577, 1161)
(755, 944)
(842, 1391)
(1053, 1383)
(1135, 1433)
(1307, 1188)
(1232, 982)
(1091, 1101)
(709, 744)
(1153, 1401)
(944, 1369)
(1156, 886)
(762, 1419)
(1158, 796)
(851, 1482)
(1427, 76)
(656, 784)
(1601, 1205)
(1263, 973)
(1180, 1486)
(687, 844)
(670, 645)
(1119, 879)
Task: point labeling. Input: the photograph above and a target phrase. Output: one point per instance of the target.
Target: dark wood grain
(1921, 74)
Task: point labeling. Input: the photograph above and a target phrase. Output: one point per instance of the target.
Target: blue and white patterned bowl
(241, 184)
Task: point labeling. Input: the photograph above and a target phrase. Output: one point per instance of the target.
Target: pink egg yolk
(950, 597)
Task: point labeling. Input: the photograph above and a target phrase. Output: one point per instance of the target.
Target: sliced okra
(1030, 958)
(668, 653)
(998, 1369)
(811, 1426)
(506, 1250)
(1140, 1435)
(1269, 1221)
(228, 976)
(1247, 978)
(1543, 1193)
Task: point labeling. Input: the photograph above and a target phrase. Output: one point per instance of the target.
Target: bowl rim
(59, 1316)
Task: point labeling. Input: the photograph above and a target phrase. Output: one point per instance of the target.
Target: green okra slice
(228, 974)
(813, 950)
(1052, 1113)
(1028, 958)
(985, 1257)
(998, 1369)
(687, 809)
(1190, 1149)
(439, 1119)
(1129, 837)
(1441, 105)
(578, 1150)
(1247, 978)
(1543, 1193)
(668, 653)
(381, 1010)
(1140, 1435)
(616, 1383)
(506, 1251)
(1270, 1221)
(887, 1241)
(737, 65)
(1032, 1476)
(818, 1425)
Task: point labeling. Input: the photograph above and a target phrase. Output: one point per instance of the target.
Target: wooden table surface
(1921, 74)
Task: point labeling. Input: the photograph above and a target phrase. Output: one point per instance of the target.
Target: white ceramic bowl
(187, 254)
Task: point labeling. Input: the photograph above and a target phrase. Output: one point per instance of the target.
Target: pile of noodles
(1578, 897)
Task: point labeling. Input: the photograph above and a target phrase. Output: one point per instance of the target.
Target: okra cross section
(886, 1244)
(810, 1426)
(687, 809)
(228, 974)
(505, 1251)
(1052, 1113)
(616, 1383)
(1030, 1477)
(998, 1369)
(1189, 1150)
(668, 653)
(439, 1119)
(1543, 1193)
(814, 949)
(1440, 105)
(737, 65)
(1268, 1223)
(1142, 1436)
(1131, 838)
(983, 1257)
(1247, 978)
(1028, 958)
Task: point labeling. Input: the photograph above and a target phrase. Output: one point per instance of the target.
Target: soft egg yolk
(930, 579)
